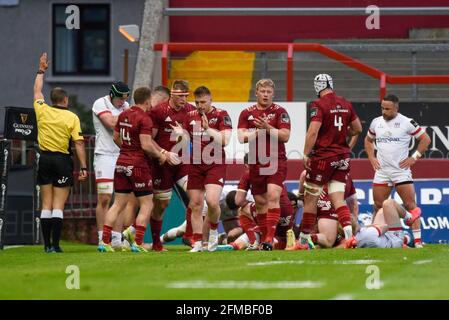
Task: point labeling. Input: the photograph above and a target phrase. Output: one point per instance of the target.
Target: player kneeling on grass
(250, 240)
(386, 230)
(132, 174)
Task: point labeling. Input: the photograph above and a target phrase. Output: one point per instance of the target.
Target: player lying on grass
(326, 228)
(251, 239)
(386, 230)
(229, 220)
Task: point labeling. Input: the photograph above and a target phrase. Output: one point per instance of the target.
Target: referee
(57, 126)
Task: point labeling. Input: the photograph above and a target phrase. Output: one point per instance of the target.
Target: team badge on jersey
(285, 118)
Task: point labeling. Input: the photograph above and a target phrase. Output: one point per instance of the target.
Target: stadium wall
(291, 28)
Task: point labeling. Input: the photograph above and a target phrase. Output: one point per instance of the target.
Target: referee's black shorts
(55, 168)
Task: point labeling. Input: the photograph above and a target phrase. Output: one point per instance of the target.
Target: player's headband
(179, 92)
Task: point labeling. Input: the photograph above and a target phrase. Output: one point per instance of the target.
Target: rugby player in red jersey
(171, 172)
(249, 218)
(132, 134)
(265, 126)
(209, 129)
(326, 233)
(326, 155)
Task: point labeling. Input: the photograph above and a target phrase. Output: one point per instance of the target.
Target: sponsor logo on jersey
(285, 118)
(414, 123)
(139, 185)
(227, 120)
(168, 119)
(250, 117)
(313, 112)
(192, 123)
(397, 124)
(213, 121)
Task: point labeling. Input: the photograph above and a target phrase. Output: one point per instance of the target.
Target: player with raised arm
(132, 173)
(392, 133)
(326, 155)
(265, 126)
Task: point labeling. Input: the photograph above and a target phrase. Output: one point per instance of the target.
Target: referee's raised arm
(57, 127)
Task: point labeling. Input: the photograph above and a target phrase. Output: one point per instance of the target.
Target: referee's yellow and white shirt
(56, 127)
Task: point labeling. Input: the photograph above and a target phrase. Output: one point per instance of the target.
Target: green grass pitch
(28, 273)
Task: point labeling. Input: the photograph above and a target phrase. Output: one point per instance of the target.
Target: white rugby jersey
(103, 136)
(225, 211)
(393, 139)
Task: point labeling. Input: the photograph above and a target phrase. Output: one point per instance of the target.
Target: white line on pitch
(422, 261)
(11, 247)
(356, 261)
(343, 296)
(269, 263)
(245, 285)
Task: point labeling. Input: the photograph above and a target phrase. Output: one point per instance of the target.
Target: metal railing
(291, 48)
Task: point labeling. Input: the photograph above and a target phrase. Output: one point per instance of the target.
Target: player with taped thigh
(105, 112)
(165, 116)
(132, 173)
(327, 235)
(326, 155)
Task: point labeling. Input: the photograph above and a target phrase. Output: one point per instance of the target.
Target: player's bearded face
(389, 110)
(265, 96)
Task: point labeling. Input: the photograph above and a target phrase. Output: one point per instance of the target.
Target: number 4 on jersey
(124, 135)
(338, 123)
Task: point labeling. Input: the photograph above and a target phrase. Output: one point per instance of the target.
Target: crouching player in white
(386, 230)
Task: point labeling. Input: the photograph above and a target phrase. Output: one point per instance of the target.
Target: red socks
(213, 226)
(107, 234)
(197, 237)
(262, 224)
(140, 232)
(189, 232)
(156, 227)
(273, 215)
(344, 216)
(248, 226)
(308, 222)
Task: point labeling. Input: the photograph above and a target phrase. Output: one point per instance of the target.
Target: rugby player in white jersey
(392, 133)
(105, 112)
(386, 230)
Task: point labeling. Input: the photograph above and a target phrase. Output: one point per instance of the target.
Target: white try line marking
(245, 285)
(422, 261)
(356, 261)
(343, 296)
(269, 263)
(11, 247)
